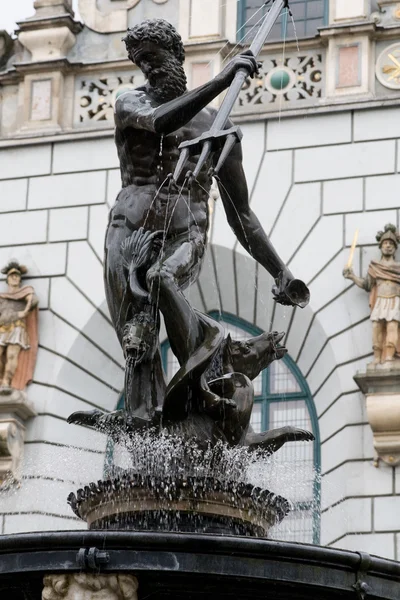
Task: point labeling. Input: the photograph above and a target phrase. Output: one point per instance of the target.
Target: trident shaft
(218, 138)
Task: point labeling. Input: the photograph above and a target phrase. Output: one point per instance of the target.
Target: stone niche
(382, 393)
(15, 410)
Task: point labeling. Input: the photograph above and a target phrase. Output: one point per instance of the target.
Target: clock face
(388, 67)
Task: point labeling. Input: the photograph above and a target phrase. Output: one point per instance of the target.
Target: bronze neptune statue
(154, 248)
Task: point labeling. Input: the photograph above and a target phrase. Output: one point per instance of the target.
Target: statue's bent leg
(115, 278)
(392, 332)
(144, 379)
(378, 328)
(165, 282)
(2, 360)
(12, 355)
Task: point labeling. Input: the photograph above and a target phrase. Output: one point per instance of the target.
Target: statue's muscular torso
(147, 199)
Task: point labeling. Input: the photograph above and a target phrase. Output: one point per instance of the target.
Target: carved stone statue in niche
(18, 330)
(383, 283)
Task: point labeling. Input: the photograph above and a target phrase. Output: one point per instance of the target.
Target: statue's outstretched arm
(365, 283)
(250, 233)
(134, 109)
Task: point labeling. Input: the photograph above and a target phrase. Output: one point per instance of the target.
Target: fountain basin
(190, 504)
(199, 567)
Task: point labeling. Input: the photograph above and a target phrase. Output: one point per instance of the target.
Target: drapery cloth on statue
(384, 307)
(15, 333)
(22, 332)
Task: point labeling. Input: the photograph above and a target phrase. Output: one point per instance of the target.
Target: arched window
(282, 397)
(308, 15)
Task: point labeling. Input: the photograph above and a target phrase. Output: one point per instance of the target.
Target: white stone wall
(54, 207)
(313, 181)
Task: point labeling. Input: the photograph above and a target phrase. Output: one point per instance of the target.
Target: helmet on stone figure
(389, 233)
(14, 267)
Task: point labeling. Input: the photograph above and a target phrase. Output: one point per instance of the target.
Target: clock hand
(394, 59)
(394, 75)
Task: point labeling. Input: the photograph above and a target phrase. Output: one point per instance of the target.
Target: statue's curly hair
(158, 31)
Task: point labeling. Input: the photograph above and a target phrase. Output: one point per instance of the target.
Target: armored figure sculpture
(383, 284)
(156, 241)
(18, 330)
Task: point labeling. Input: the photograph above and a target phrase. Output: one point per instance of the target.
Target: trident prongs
(212, 140)
(231, 141)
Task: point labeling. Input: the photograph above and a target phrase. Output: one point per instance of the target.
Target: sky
(11, 12)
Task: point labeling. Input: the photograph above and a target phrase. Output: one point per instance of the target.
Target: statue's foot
(6, 389)
(390, 363)
(271, 441)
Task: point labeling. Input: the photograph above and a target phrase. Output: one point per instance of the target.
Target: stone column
(49, 35)
(382, 393)
(86, 586)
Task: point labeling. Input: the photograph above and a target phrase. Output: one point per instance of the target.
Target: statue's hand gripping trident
(218, 138)
(287, 289)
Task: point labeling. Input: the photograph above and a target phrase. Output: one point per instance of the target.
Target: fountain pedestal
(195, 505)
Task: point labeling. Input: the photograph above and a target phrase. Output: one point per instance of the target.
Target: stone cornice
(58, 64)
(346, 29)
(62, 20)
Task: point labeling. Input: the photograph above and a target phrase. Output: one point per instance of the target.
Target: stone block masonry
(311, 198)
(350, 182)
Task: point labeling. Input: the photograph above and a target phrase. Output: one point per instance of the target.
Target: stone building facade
(321, 152)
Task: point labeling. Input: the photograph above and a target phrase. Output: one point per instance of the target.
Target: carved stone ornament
(388, 66)
(296, 80)
(381, 381)
(18, 330)
(382, 282)
(381, 389)
(18, 350)
(85, 586)
(115, 19)
(95, 97)
(388, 14)
(14, 411)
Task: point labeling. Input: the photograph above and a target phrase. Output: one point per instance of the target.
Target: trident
(218, 137)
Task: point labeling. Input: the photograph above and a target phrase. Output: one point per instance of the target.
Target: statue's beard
(169, 82)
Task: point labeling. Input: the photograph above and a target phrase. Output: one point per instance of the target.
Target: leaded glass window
(308, 16)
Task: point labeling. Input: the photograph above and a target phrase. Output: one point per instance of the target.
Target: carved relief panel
(95, 96)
